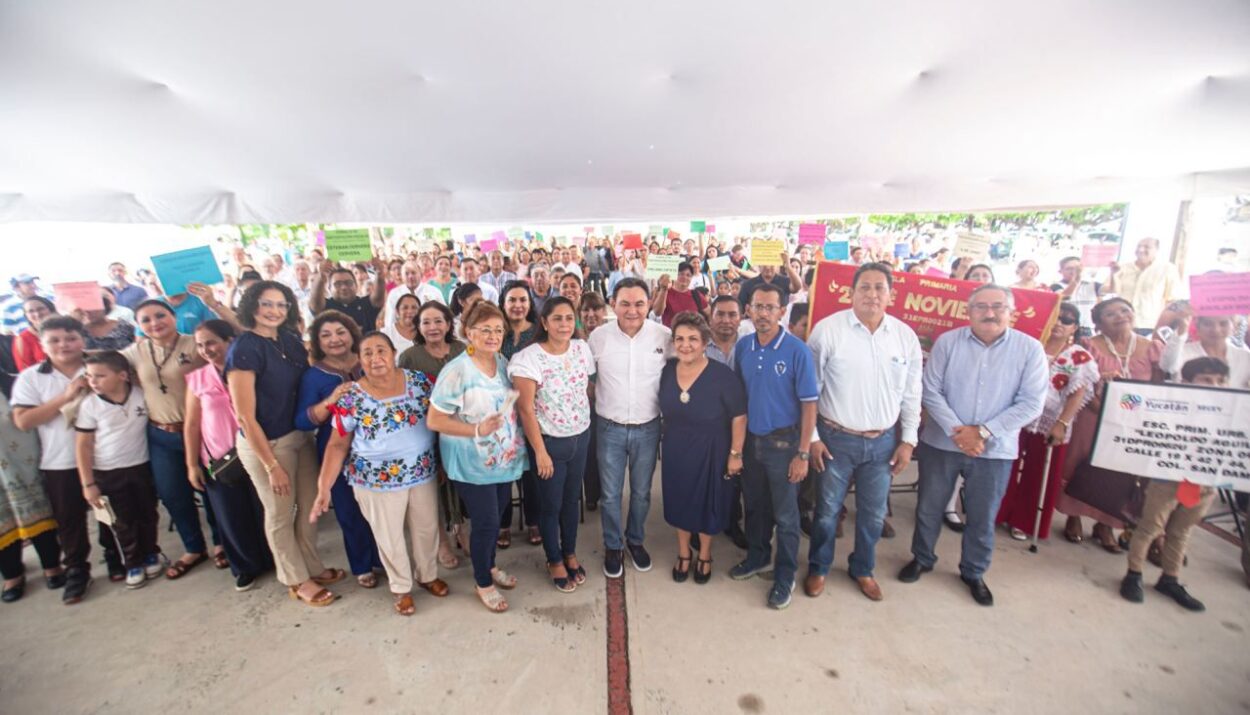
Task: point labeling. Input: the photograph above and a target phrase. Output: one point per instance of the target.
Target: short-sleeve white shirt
(627, 389)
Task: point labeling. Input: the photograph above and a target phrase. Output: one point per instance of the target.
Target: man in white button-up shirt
(868, 365)
(630, 353)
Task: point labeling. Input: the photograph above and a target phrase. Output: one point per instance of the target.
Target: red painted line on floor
(619, 701)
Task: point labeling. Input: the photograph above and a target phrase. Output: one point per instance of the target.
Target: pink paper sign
(709, 229)
(937, 272)
(1099, 255)
(82, 295)
(813, 233)
(320, 238)
(1220, 293)
(490, 244)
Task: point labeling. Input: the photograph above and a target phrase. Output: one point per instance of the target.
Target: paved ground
(1058, 640)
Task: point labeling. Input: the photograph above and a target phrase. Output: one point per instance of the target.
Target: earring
(470, 350)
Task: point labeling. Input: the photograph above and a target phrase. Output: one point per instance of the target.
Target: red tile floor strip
(619, 702)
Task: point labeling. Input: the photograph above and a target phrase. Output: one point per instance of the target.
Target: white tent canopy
(555, 110)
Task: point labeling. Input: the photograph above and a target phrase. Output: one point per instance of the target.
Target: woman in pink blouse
(208, 433)
(1119, 352)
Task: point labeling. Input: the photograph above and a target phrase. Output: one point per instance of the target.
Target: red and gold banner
(930, 305)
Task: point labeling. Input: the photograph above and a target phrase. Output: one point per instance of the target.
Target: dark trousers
(169, 473)
(241, 523)
(133, 498)
(46, 545)
(560, 494)
(529, 500)
(362, 550)
(484, 503)
(70, 509)
(591, 479)
(772, 502)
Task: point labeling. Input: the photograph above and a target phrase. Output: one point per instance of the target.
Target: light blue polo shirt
(778, 377)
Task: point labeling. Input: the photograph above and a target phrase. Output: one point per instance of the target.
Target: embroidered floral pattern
(391, 447)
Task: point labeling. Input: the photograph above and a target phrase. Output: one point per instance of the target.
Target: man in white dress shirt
(412, 280)
(630, 353)
(470, 272)
(868, 365)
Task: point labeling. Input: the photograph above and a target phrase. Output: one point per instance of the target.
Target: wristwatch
(984, 432)
(735, 455)
(804, 455)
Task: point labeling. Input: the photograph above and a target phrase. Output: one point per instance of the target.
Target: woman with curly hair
(334, 339)
(263, 371)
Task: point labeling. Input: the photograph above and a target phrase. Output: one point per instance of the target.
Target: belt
(866, 434)
(175, 427)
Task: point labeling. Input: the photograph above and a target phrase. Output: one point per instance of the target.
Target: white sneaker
(135, 578)
(155, 565)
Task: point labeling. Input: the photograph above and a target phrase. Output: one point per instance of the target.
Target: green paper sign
(698, 226)
(516, 232)
(660, 265)
(349, 245)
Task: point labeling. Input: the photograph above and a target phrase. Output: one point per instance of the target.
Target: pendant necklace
(160, 380)
(1123, 359)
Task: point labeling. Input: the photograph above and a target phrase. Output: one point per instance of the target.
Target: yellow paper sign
(767, 252)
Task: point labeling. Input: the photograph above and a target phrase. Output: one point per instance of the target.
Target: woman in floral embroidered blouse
(553, 379)
(380, 442)
(1073, 375)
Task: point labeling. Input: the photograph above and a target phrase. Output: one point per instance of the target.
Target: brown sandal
(1072, 530)
(536, 536)
(335, 576)
(437, 588)
(504, 540)
(404, 605)
(1105, 536)
(179, 568)
(367, 580)
(320, 599)
(220, 561)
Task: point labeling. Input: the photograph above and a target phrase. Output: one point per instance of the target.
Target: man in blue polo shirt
(780, 378)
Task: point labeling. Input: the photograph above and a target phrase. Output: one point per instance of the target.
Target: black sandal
(700, 576)
(577, 573)
(679, 575)
(563, 584)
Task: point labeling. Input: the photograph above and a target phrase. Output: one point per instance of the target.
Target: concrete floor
(1060, 639)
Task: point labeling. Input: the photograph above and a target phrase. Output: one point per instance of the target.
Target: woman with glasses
(263, 370)
(1073, 375)
(480, 441)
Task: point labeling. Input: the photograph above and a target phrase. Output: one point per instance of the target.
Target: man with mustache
(983, 382)
(868, 366)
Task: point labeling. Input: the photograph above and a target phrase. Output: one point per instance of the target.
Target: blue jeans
(635, 447)
(867, 461)
(985, 482)
(484, 502)
(772, 501)
(169, 472)
(560, 494)
(358, 542)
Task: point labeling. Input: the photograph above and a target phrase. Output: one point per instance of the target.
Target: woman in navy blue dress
(704, 408)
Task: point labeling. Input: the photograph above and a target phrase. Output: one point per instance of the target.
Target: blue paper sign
(470, 238)
(837, 250)
(902, 250)
(175, 270)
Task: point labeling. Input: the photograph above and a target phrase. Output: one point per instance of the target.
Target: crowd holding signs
(1060, 395)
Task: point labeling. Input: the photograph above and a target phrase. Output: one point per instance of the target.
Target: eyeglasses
(489, 332)
(765, 308)
(279, 305)
(343, 284)
(987, 307)
(1067, 320)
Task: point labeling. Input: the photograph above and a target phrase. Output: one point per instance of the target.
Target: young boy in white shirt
(112, 454)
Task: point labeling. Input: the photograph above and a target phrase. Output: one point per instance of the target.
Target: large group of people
(431, 400)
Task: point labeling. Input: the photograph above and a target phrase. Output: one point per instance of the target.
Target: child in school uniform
(1165, 512)
(112, 455)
